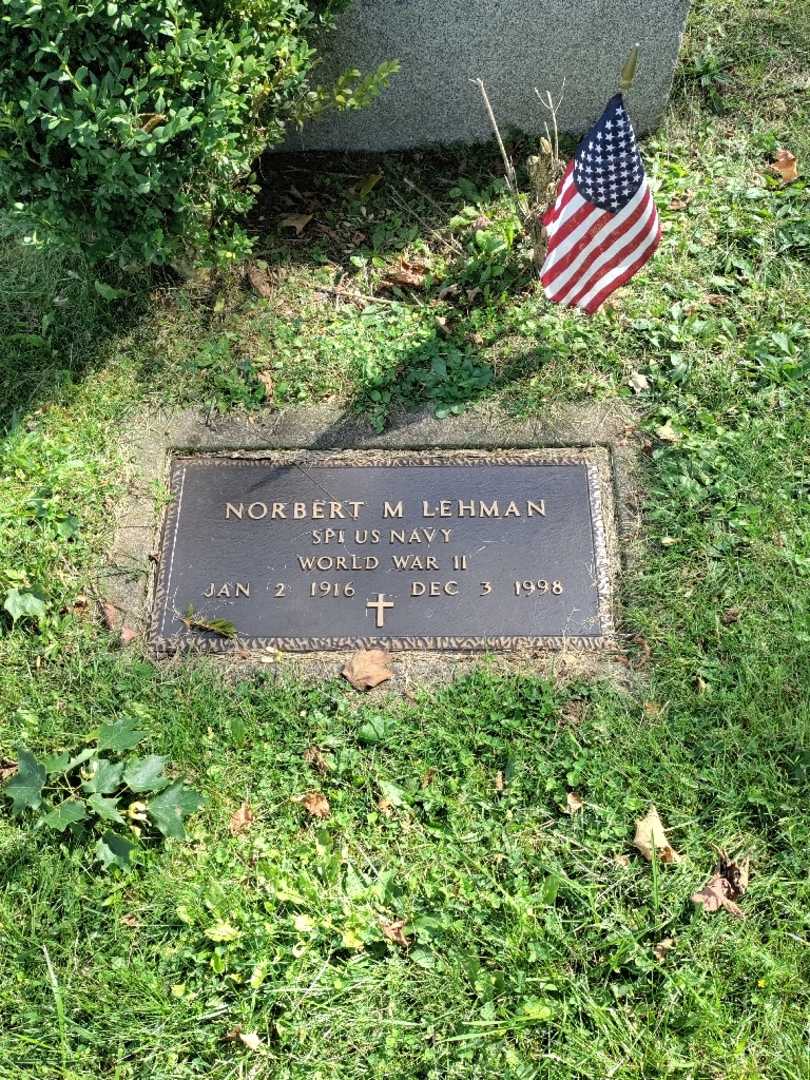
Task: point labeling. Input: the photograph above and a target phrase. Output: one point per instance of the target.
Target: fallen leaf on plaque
(728, 884)
(785, 166)
(241, 820)
(663, 947)
(650, 837)
(638, 382)
(316, 804)
(259, 278)
(368, 668)
(295, 221)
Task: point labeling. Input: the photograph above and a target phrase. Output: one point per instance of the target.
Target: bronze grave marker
(308, 551)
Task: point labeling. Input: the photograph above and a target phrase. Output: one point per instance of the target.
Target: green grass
(531, 946)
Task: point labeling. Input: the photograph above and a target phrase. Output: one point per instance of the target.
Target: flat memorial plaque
(450, 551)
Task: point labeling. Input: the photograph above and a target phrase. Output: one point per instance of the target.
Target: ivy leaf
(25, 788)
(146, 774)
(29, 603)
(66, 813)
(168, 809)
(56, 763)
(114, 850)
(121, 734)
(106, 776)
(106, 809)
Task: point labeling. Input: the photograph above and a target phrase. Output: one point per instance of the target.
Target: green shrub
(129, 130)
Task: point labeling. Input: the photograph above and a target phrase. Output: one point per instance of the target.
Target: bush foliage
(129, 130)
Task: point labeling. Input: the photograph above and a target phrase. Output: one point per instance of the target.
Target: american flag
(604, 225)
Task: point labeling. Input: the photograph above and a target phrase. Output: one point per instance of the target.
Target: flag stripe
(617, 245)
(567, 182)
(579, 234)
(622, 273)
(599, 242)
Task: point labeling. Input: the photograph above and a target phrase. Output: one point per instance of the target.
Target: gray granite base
(514, 46)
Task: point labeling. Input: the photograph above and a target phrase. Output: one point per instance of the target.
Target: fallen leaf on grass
(368, 668)
(129, 920)
(650, 836)
(267, 381)
(259, 278)
(728, 884)
(717, 299)
(663, 947)
(112, 616)
(427, 778)
(638, 382)
(241, 820)
(730, 616)
(622, 860)
(394, 931)
(667, 433)
(7, 769)
(573, 803)
(408, 275)
(366, 186)
(785, 166)
(652, 708)
(316, 804)
(500, 784)
(314, 757)
(128, 635)
(295, 221)
(680, 202)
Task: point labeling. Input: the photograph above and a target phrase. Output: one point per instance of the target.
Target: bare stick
(509, 168)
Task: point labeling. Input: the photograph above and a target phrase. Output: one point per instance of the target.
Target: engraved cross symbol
(380, 604)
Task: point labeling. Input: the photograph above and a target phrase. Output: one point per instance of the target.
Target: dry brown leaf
(730, 616)
(7, 769)
(394, 931)
(368, 668)
(259, 278)
(500, 783)
(785, 166)
(385, 806)
(406, 276)
(112, 616)
(80, 605)
(652, 708)
(638, 382)
(295, 221)
(128, 635)
(716, 299)
(716, 894)
(428, 777)
(316, 804)
(622, 860)
(663, 947)
(667, 433)
(130, 921)
(267, 381)
(573, 803)
(314, 757)
(680, 202)
(242, 820)
(250, 1039)
(650, 836)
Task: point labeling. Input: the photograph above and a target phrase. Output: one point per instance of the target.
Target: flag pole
(629, 70)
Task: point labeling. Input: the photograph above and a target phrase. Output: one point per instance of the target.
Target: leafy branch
(103, 792)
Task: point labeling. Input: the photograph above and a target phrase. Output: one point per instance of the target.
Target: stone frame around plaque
(600, 482)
